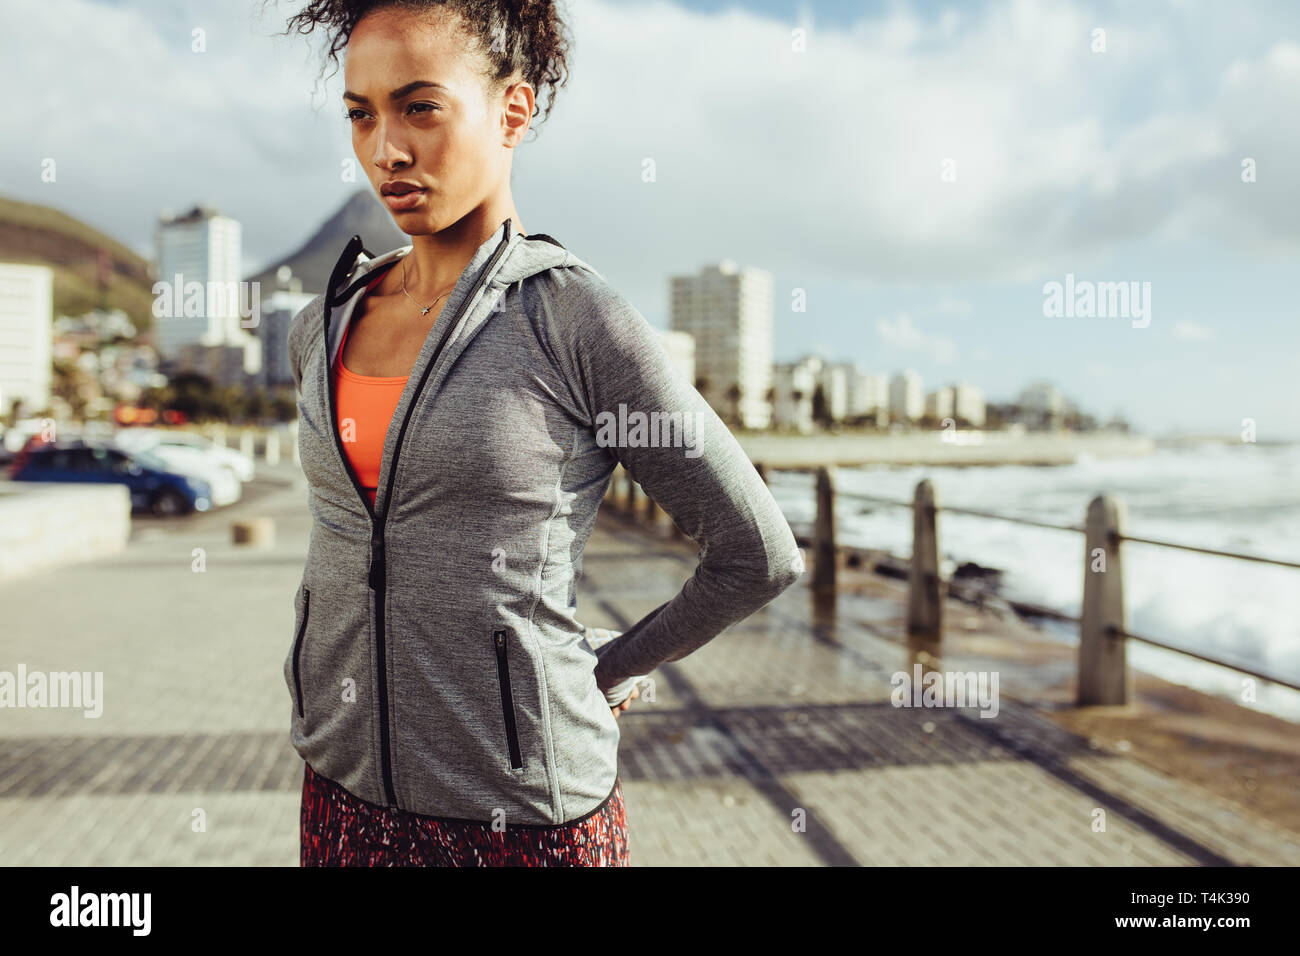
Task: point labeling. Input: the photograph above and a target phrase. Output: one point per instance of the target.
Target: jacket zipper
(377, 578)
(507, 701)
(297, 647)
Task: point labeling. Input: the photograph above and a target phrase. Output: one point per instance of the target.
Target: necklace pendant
(425, 310)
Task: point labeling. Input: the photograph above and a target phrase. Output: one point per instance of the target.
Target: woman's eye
(355, 115)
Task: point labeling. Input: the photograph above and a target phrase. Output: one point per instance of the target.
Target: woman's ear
(517, 112)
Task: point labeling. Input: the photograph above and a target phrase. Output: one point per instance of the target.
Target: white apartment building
(939, 403)
(728, 311)
(1043, 405)
(835, 381)
(680, 347)
(203, 247)
(26, 335)
(868, 393)
(969, 405)
(794, 384)
(906, 399)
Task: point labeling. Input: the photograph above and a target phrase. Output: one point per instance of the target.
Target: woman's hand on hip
(623, 706)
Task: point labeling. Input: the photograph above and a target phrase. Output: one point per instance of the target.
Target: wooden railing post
(924, 601)
(652, 513)
(824, 533)
(1104, 677)
(631, 494)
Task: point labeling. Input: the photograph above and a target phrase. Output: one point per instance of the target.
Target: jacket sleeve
(698, 474)
(615, 695)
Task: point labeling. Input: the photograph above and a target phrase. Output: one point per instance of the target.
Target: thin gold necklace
(424, 309)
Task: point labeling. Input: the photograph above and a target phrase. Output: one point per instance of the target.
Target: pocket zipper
(507, 701)
(297, 648)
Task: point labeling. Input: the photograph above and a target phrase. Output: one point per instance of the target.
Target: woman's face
(419, 110)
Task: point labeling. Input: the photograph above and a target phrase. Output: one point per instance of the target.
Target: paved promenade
(776, 744)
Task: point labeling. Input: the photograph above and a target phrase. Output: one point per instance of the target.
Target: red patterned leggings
(341, 829)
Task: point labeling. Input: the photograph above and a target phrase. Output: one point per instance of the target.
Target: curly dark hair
(524, 36)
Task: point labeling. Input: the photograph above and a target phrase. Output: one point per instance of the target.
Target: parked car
(153, 485)
(188, 459)
(179, 447)
(225, 485)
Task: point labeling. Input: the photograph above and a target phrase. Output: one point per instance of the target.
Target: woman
(464, 400)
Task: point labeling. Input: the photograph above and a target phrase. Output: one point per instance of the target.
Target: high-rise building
(969, 405)
(1042, 405)
(906, 400)
(939, 403)
(680, 347)
(728, 311)
(835, 381)
(223, 364)
(26, 336)
(794, 384)
(865, 394)
(871, 397)
(278, 310)
(200, 271)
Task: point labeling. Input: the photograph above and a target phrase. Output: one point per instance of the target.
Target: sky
(914, 175)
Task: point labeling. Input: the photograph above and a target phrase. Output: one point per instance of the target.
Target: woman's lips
(407, 200)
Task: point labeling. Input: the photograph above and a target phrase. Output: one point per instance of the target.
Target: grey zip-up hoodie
(437, 664)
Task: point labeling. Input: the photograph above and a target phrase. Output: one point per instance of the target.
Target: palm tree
(770, 397)
(733, 397)
(821, 412)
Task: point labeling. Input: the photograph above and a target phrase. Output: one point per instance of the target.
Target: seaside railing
(1104, 676)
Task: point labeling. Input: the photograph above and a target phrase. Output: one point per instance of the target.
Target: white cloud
(824, 163)
(1193, 331)
(949, 305)
(904, 334)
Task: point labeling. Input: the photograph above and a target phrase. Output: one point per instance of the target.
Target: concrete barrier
(49, 524)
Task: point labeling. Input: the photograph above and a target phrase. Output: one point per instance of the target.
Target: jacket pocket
(507, 700)
(297, 650)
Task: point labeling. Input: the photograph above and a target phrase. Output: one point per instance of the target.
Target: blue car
(152, 483)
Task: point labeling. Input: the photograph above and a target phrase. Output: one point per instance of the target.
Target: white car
(224, 485)
(167, 439)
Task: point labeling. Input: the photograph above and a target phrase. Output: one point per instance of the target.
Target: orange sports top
(366, 403)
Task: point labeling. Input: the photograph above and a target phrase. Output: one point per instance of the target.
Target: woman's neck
(436, 260)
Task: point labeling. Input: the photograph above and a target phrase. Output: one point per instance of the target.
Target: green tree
(284, 405)
(69, 383)
(191, 394)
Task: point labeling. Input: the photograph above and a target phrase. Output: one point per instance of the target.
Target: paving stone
(776, 744)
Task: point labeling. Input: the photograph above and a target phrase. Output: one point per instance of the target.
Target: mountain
(312, 262)
(91, 270)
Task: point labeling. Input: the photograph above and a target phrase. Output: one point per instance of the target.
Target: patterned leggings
(341, 829)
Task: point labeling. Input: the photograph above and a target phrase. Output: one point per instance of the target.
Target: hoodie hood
(520, 257)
